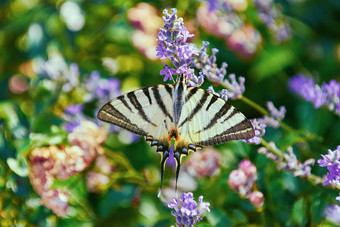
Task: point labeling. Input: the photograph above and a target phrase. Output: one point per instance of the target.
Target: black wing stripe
(235, 111)
(138, 106)
(242, 130)
(197, 108)
(160, 102)
(212, 100)
(224, 109)
(191, 92)
(147, 94)
(122, 99)
(168, 89)
(110, 114)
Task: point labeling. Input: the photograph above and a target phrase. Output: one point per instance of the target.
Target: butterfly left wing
(143, 111)
(147, 112)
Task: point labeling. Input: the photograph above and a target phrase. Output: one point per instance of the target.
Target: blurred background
(60, 61)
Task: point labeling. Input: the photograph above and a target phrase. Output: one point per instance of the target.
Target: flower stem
(305, 135)
(255, 105)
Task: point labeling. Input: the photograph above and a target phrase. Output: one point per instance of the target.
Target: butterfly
(187, 117)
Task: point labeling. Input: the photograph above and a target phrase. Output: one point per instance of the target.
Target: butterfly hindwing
(209, 120)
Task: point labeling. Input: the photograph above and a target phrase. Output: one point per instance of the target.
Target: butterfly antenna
(165, 156)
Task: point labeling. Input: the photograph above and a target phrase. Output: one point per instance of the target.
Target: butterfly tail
(165, 155)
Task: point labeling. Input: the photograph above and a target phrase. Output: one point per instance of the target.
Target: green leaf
(272, 62)
(18, 166)
(299, 213)
(114, 199)
(217, 217)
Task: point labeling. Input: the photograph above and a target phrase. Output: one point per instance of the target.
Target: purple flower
(288, 161)
(74, 109)
(269, 121)
(235, 88)
(168, 72)
(102, 89)
(332, 162)
(186, 209)
(260, 129)
(275, 113)
(328, 95)
(271, 16)
(73, 116)
(172, 44)
(332, 213)
(268, 153)
(56, 69)
(212, 5)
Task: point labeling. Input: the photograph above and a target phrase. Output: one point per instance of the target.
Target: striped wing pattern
(208, 120)
(191, 116)
(143, 111)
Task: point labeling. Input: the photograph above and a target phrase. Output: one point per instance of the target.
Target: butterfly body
(190, 116)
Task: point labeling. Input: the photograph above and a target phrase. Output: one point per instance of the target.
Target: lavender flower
(332, 213)
(102, 89)
(173, 45)
(288, 161)
(275, 113)
(73, 116)
(207, 64)
(212, 5)
(260, 129)
(275, 116)
(186, 210)
(327, 95)
(56, 69)
(271, 16)
(332, 162)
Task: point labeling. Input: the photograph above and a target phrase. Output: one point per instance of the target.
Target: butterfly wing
(147, 112)
(208, 120)
(144, 111)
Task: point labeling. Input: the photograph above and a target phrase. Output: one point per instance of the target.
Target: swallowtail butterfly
(190, 116)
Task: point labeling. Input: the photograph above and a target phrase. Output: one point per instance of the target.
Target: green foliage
(33, 118)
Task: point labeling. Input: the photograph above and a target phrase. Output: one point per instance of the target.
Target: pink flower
(48, 163)
(237, 178)
(256, 198)
(244, 41)
(97, 182)
(41, 164)
(89, 137)
(145, 19)
(243, 179)
(57, 201)
(204, 163)
(247, 167)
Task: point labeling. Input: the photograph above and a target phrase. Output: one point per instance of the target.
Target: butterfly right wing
(209, 120)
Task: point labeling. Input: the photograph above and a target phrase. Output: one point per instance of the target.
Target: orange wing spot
(173, 134)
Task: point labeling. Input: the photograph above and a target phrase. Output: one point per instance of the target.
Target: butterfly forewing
(209, 120)
(144, 111)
